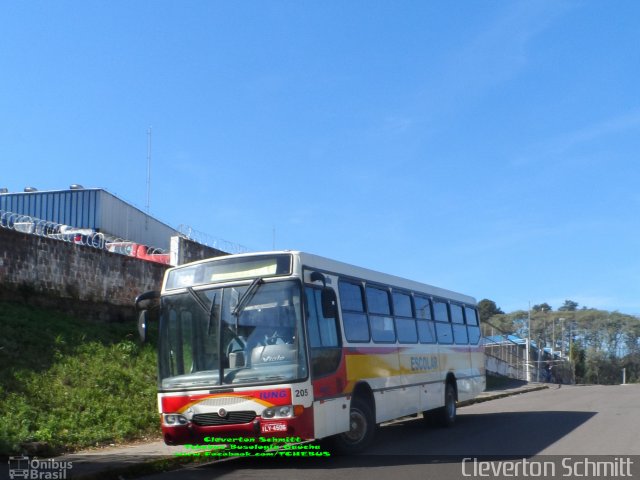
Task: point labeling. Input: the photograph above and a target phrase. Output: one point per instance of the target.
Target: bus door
(330, 405)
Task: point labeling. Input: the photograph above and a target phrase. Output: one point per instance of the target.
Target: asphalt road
(574, 424)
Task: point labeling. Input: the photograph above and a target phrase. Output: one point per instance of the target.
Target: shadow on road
(496, 436)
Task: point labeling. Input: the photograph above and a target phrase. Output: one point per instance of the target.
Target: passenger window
(473, 327)
(378, 301)
(444, 333)
(402, 305)
(356, 327)
(474, 334)
(382, 329)
(351, 296)
(472, 316)
(440, 311)
(423, 307)
(406, 328)
(426, 331)
(456, 314)
(460, 336)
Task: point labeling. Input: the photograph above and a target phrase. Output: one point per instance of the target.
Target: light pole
(527, 375)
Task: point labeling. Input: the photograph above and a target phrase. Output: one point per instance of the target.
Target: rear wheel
(444, 416)
(361, 431)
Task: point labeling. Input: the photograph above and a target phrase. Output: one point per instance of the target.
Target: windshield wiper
(209, 310)
(246, 297)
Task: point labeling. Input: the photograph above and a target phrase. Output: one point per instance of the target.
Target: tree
(487, 309)
(543, 307)
(569, 306)
(578, 357)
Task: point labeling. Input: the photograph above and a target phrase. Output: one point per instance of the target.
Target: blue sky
(488, 147)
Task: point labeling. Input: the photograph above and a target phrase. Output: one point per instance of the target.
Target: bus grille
(208, 419)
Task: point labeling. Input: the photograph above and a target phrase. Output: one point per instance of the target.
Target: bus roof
(327, 265)
(334, 266)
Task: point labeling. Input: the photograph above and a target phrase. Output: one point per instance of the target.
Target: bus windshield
(228, 336)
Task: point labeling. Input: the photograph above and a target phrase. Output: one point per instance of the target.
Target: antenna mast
(148, 167)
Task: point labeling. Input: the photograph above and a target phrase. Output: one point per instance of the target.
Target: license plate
(273, 427)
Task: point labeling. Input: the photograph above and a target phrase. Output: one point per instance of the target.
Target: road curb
(502, 394)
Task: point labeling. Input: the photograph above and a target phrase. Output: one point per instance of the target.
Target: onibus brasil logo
(35, 469)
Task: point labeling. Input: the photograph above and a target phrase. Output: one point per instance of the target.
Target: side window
(378, 301)
(424, 322)
(382, 327)
(402, 305)
(356, 326)
(460, 336)
(456, 314)
(351, 296)
(445, 335)
(472, 316)
(440, 311)
(426, 331)
(423, 308)
(472, 325)
(444, 331)
(324, 336)
(323, 331)
(405, 323)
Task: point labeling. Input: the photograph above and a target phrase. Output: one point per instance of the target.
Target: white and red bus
(289, 344)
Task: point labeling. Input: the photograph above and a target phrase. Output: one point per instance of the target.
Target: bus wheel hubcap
(357, 426)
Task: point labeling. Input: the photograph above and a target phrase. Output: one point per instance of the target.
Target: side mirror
(142, 325)
(151, 295)
(149, 299)
(328, 298)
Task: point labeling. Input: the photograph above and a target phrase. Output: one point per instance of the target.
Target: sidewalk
(513, 388)
(114, 463)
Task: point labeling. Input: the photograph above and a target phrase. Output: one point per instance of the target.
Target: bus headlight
(283, 411)
(173, 419)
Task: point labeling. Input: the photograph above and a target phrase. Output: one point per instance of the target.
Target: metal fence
(506, 355)
(78, 236)
(211, 241)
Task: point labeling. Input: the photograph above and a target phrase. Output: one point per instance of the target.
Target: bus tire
(362, 429)
(444, 416)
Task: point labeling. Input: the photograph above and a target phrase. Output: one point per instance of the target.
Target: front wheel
(361, 431)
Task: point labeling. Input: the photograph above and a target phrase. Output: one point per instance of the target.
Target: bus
(292, 345)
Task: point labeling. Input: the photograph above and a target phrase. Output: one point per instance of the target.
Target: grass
(70, 383)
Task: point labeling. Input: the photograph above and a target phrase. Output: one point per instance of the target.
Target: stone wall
(74, 278)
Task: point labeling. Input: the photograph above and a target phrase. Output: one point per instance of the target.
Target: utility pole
(148, 168)
(528, 373)
(571, 364)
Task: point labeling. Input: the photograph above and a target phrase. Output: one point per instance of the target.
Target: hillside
(67, 383)
(599, 343)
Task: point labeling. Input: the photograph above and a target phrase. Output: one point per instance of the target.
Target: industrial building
(90, 208)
